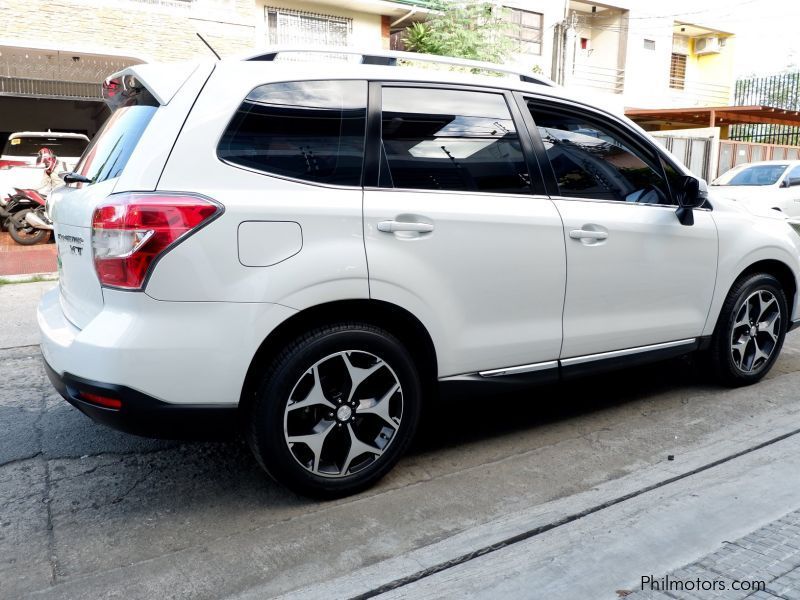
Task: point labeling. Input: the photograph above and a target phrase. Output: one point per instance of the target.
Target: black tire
(22, 233)
(723, 358)
(266, 416)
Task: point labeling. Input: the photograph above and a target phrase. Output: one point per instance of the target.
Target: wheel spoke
(740, 346)
(314, 441)
(744, 319)
(770, 325)
(315, 395)
(759, 354)
(357, 448)
(380, 407)
(763, 306)
(358, 374)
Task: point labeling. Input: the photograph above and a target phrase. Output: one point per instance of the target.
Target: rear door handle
(586, 234)
(392, 226)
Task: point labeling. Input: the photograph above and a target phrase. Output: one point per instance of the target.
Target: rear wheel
(336, 410)
(23, 233)
(750, 330)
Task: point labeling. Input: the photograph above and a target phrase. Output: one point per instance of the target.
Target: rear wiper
(73, 177)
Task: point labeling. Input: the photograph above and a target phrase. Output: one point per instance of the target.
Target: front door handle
(586, 234)
(392, 226)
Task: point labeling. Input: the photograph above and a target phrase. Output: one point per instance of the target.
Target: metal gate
(694, 152)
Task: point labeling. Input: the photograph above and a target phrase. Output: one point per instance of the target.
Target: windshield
(752, 175)
(29, 146)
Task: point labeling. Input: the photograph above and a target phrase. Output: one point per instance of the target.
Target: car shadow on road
(467, 418)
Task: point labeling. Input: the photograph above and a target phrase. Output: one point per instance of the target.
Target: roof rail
(389, 58)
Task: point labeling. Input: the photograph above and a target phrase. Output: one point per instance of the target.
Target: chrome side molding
(550, 364)
(626, 352)
(577, 360)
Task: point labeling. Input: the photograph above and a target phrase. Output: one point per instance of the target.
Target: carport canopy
(715, 116)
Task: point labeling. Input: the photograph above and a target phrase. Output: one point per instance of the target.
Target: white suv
(311, 250)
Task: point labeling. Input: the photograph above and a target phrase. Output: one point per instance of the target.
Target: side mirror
(688, 196)
(791, 181)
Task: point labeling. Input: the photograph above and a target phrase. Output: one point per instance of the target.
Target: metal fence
(42, 88)
(779, 91)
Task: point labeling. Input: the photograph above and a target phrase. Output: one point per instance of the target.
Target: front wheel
(335, 410)
(750, 331)
(23, 233)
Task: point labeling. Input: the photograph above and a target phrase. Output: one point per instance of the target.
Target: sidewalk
(16, 259)
(765, 563)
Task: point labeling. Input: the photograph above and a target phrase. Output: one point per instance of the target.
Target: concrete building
(54, 53)
(626, 53)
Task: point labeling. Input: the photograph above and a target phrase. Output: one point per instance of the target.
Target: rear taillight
(131, 231)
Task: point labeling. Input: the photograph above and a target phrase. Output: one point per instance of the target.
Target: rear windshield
(107, 155)
(30, 146)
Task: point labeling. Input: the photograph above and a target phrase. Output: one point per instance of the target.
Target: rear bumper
(174, 365)
(143, 415)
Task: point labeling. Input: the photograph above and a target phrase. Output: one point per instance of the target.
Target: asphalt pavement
(563, 491)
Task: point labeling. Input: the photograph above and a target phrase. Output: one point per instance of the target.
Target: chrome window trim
(671, 207)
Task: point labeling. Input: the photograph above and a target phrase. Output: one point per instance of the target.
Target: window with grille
(296, 27)
(526, 29)
(677, 71)
(649, 44)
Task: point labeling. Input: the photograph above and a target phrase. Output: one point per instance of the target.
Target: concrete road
(86, 512)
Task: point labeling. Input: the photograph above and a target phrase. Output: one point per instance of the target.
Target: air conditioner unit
(706, 45)
(680, 44)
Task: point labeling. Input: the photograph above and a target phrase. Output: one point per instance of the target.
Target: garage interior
(56, 90)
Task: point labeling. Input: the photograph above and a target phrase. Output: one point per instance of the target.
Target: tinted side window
(450, 140)
(589, 161)
(794, 173)
(311, 130)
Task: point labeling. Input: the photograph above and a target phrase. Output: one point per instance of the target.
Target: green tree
(476, 30)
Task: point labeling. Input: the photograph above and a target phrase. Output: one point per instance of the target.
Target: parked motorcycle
(12, 204)
(31, 224)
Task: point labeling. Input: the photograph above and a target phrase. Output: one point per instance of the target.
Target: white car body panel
(650, 281)
(332, 265)
(162, 349)
(488, 283)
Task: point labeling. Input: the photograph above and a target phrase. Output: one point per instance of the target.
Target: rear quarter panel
(206, 267)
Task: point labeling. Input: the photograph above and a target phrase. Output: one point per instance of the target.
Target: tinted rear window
(30, 146)
(107, 155)
(312, 130)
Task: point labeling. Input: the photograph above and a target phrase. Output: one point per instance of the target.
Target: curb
(28, 278)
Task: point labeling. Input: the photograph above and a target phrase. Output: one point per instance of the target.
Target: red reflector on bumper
(103, 401)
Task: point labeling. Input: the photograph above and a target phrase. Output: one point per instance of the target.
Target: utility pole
(564, 49)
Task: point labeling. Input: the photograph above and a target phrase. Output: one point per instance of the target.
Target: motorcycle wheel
(22, 233)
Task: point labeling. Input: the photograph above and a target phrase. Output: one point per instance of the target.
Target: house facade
(54, 53)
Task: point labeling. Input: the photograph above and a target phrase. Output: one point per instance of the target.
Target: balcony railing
(43, 88)
(607, 79)
(696, 93)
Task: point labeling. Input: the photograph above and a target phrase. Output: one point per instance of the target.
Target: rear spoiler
(161, 81)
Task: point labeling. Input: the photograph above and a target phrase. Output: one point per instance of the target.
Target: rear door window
(447, 139)
(309, 130)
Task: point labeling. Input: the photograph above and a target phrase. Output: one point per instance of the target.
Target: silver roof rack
(389, 58)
